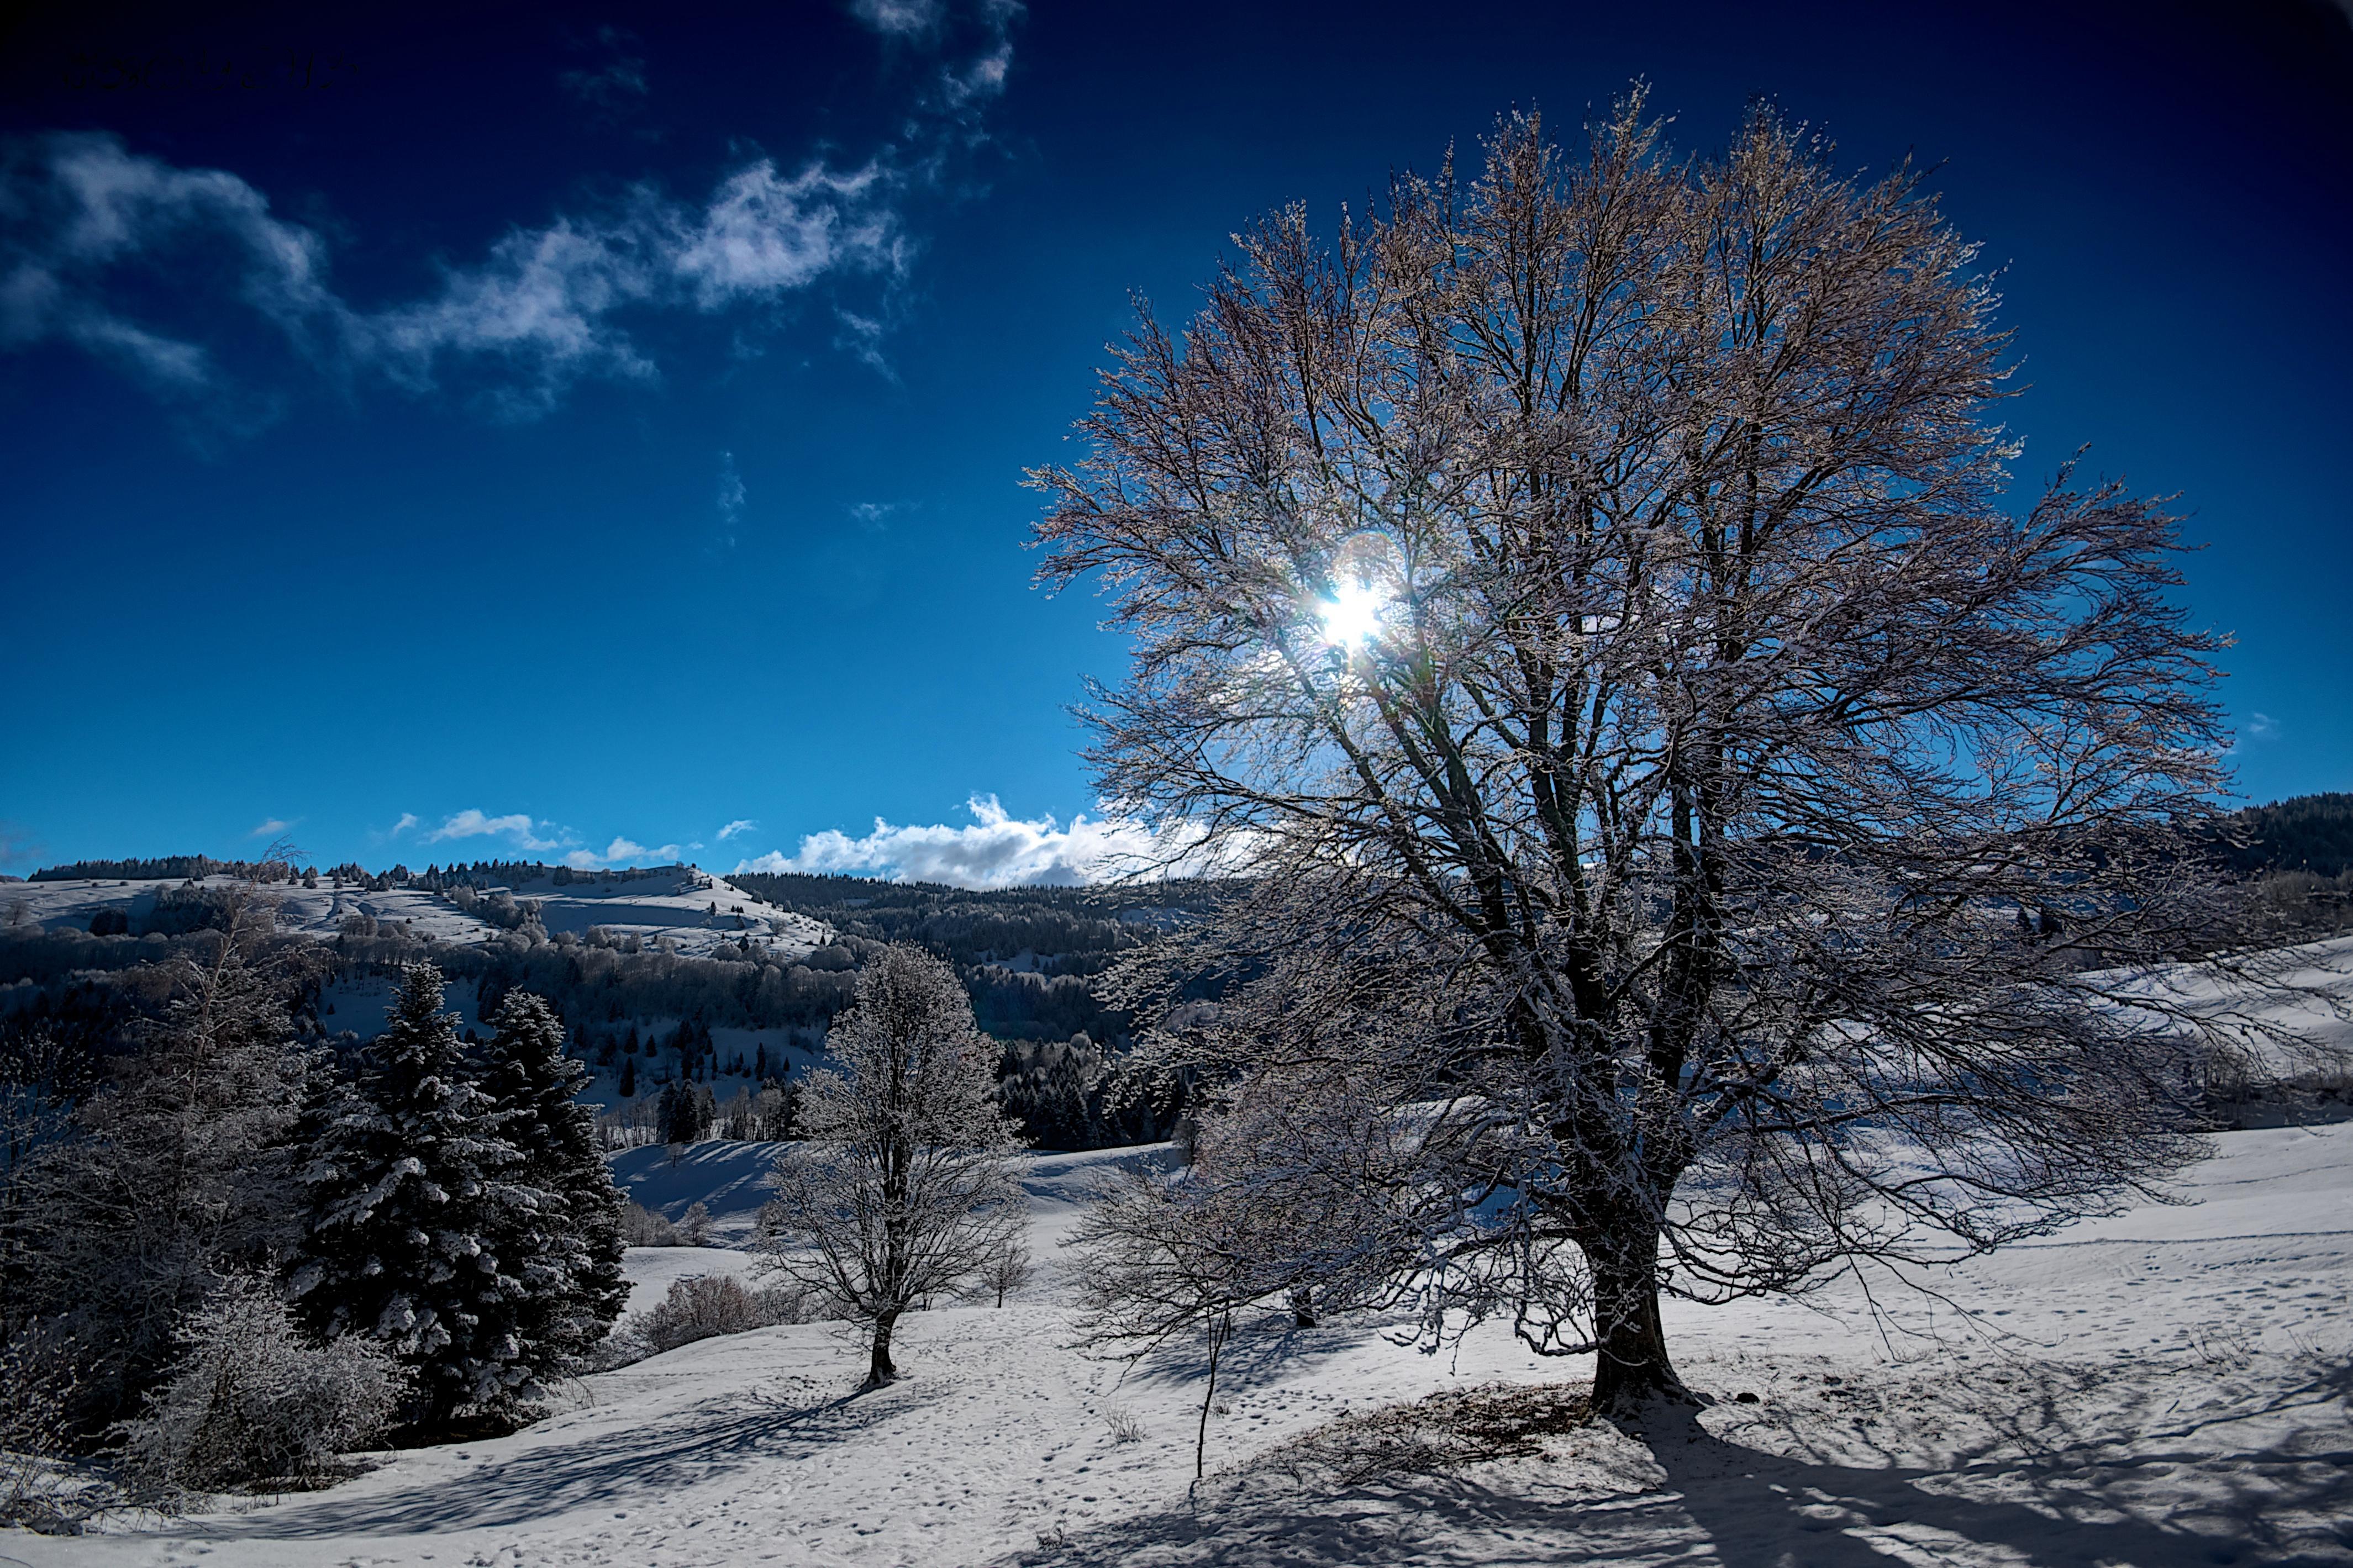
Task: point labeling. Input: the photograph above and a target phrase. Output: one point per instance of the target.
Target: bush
(702, 1307)
(38, 1385)
(251, 1401)
(640, 1227)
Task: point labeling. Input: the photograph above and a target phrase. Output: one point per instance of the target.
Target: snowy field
(2166, 1386)
(694, 909)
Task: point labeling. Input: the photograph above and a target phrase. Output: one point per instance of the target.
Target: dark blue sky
(613, 420)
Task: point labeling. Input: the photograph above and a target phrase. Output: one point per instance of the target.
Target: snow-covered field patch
(2165, 1388)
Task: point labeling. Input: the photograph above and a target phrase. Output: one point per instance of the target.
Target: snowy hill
(694, 911)
(2165, 1387)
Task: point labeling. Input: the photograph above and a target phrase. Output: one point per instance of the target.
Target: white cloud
(265, 829)
(763, 235)
(2262, 727)
(996, 850)
(541, 308)
(621, 851)
(516, 827)
(741, 825)
(407, 820)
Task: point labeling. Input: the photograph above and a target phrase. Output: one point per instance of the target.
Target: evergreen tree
(412, 1191)
(571, 1248)
(675, 1115)
(628, 1077)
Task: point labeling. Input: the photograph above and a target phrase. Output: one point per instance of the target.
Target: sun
(1352, 616)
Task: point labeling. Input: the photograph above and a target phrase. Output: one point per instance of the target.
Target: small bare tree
(1591, 595)
(1008, 1271)
(905, 1188)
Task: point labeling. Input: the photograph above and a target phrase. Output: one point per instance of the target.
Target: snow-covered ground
(729, 1179)
(694, 909)
(2165, 1388)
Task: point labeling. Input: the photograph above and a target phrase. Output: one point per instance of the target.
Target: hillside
(662, 975)
(692, 910)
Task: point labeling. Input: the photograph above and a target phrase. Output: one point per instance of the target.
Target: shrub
(38, 1385)
(702, 1307)
(640, 1227)
(251, 1401)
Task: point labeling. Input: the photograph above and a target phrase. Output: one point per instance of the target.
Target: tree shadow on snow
(2163, 1500)
(624, 1467)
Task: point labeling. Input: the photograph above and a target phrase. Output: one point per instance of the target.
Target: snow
(2166, 1387)
(652, 1270)
(727, 1178)
(668, 901)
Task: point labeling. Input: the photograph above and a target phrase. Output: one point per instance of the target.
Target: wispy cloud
(874, 516)
(741, 825)
(18, 844)
(619, 84)
(730, 499)
(901, 19)
(997, 849)
(2262, 727)
(538, 313)
(971, 44)
(87, 227)
(75, 209)
(267, 828)
(407, 820)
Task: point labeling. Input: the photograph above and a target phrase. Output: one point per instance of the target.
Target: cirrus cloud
(83, 219)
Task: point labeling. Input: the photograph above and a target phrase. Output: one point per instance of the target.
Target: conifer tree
(570, 1248)
(413, 1189)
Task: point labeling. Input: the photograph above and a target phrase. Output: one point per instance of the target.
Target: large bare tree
(1692, 787)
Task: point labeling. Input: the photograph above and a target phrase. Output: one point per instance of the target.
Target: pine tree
(412, 1189)
(676, 1114)
(628, 1077)
(571, 1246)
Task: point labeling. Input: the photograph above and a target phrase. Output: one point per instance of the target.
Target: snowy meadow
(2166, 1387)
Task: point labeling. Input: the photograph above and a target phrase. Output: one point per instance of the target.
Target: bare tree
(1591, 594)
(1288, 1197)
(1008, 1271)
(905, 1188)
(180, 1165)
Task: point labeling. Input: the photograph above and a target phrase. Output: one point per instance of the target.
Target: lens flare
(1352, 616)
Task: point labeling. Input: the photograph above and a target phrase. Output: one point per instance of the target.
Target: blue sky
(582, 433)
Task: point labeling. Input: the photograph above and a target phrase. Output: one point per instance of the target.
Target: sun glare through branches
(1352, 616)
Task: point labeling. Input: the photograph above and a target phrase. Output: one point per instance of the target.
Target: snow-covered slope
(2165, 1388)
(729, 1179)
(694, 909)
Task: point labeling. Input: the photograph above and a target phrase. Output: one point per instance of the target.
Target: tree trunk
(1221, 1326)
(1631, 1369)
(881, 1369)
